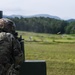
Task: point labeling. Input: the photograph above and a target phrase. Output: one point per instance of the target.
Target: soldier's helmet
(7, 25)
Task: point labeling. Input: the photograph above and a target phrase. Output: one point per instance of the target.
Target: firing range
(31, 67)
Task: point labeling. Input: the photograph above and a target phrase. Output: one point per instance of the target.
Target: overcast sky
(64, 9)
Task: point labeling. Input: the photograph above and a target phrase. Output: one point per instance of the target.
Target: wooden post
(1, 14)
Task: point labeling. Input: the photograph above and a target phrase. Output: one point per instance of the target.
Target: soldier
(11, 55)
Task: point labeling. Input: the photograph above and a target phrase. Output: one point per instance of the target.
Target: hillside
(37, 15)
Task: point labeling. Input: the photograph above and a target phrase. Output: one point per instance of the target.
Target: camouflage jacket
(11, 55)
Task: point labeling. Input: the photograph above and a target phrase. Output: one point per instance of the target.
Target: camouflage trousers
(10, 71)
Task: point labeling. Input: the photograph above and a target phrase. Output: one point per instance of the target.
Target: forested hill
(44, 25)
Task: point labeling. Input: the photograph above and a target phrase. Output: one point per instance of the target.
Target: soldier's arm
(17, 52)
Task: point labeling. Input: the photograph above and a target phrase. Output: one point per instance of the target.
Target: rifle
(21, 40)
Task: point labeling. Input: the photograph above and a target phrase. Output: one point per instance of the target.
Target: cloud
(61, 8)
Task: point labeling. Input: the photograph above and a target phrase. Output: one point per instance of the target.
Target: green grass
(57, 50)
(60, 58)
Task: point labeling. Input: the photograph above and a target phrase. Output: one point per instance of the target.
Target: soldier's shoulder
(4, 35)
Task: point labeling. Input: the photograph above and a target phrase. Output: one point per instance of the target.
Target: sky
(64, 9)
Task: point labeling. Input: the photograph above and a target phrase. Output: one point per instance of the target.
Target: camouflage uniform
(11, 55)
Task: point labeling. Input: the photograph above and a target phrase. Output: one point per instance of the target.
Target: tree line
(44, 25)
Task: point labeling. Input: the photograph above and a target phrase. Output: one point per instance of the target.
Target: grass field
(57, 50)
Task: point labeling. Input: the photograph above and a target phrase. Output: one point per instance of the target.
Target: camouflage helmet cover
(7, 25)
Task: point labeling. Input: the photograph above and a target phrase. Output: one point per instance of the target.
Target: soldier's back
(5, 52)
